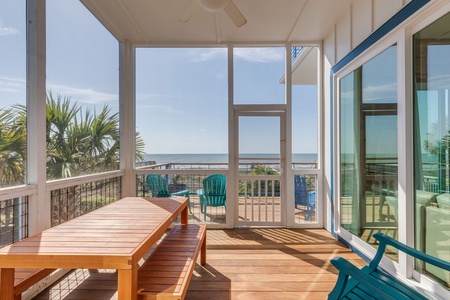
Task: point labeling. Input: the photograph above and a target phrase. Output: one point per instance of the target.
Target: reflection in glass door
(368, 148)
(259, 170)
(432, 146)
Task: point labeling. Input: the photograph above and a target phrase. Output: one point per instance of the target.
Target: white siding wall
(343, 36)
(361, 13)
(383, 10)
(361, 19)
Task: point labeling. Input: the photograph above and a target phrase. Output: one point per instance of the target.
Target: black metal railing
(14, 220)
(70, 202)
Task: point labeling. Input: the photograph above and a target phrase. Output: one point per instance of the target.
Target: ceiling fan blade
(235, 14)
(189, 12)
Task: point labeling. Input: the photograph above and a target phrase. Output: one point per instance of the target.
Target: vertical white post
(287, 188)
(232, 186)
(127, 117)
(39, 204)
(320, 194)
(405, 150)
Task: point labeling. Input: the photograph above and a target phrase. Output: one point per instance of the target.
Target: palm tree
(82, 142)
(12, 156)
(12, 146)
(77, 143)
(437, 144)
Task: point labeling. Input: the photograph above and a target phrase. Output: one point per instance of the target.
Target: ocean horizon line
(220, 157)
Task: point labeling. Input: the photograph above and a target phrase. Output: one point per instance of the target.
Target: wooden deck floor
(241, 264)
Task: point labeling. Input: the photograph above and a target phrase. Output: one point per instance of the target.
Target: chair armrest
(387, 240)
(185, 193)
(374, 285)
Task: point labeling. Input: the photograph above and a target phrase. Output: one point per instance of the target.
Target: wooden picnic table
(115, 236)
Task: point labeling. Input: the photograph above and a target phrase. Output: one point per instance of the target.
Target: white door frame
(260, 111)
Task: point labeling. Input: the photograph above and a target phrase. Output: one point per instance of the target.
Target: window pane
(304, 126)
(12, 93)
(368, 148)
(82, 92)
(379, 78)
(431, 145)
(182, 102)
(257, 75)
(304, 108)
(259, 136)
(349, 155)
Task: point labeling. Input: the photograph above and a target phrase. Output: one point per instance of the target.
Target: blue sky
(181, 94)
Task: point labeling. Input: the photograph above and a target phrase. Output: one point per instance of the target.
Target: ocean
(219, 158)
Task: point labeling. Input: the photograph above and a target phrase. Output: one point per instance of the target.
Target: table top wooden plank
(91, 243)
(81, 251)
(115, 236)
(61, 234)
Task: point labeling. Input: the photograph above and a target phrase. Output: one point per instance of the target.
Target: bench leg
(203, 252)
(184, 216)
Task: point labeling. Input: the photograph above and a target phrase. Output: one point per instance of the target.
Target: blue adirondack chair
(303, 196)
(214, 192)
(158, 187)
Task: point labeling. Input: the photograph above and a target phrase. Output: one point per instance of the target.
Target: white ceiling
(155, 22)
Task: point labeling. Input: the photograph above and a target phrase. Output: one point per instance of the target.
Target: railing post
(127, 116)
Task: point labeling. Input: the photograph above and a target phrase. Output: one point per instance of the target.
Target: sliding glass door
(432, 145)
(368, 147)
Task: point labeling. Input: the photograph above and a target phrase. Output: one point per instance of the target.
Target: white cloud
(8, 30)
(259, 54)
(12, 85)
(382, 94)
(12, 91)
(199, 55)
(162, 109)
(249, 54)
(82, 95)
(149, 96)
(17, 86)
(145, 102)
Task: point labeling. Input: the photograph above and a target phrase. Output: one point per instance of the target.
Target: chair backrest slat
(214, 189)
(157, 186)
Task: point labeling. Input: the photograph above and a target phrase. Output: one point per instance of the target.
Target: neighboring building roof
(304, 67)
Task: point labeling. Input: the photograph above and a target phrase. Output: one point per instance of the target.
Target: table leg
(7, 284)
(127, 283)
(184, 216)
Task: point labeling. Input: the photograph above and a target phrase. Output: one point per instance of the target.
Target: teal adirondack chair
(214, 192)
(158, 187)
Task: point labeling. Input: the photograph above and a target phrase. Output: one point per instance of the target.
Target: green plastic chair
(158, 187)
(214, 192)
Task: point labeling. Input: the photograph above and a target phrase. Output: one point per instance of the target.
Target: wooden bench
(25, 278)
(167, 272)
(371, 282)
